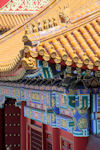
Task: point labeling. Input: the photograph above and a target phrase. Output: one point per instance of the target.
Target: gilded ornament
(29, 63)
(74, 111)
(88, 73)
(34, 28)
(40, 50)
(45, 64)
(53, 117)
(82, 123)
(25, 38)
(64, 123)
(40, 27)
(45, 25)
(50, 23)
(48, 119)
(97, 73)
(78, 70)
(74, 123)
(82, 111)
(64, 15)
(69, 69)
(26, 49)
(54, 22)
(52, 102)
(58, 67)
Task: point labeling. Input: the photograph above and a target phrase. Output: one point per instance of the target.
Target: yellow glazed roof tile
(11, 42)
(8, 21)
(71, 47)
(10, 52)
(80, 46)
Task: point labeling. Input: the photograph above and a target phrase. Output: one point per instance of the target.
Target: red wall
(56, 134)
(66, 135)
(23, 127)
(3, 2)
(79, 143)
(1, 129)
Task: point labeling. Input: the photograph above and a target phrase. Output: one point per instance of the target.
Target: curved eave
(19, 74)
(79, 47)
(9, 21)
(11, 42)
(21, 23)
(10, 52)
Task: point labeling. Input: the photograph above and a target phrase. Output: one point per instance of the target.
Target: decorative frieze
(50, 119)
(16, 6)
(95, 114)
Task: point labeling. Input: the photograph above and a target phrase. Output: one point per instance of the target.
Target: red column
(23, 127)
(80, 143)
(44, 137)
(55, 139)
(1, 129)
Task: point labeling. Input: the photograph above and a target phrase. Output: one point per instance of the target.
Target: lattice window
(36, 140)
(66, 145)
(48, 141)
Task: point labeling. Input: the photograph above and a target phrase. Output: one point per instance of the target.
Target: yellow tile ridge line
(11, 71)
(95, 60)
(14, 78)
(33, 17)
(63, 31)
(11, 66)
(89, 15)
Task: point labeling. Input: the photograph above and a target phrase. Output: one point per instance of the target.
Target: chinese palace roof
(75, 43)
(80, 45)
(22, 6)
(8, 21)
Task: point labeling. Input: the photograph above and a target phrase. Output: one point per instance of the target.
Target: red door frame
(28, 134)
(23, 127)
(12, 124)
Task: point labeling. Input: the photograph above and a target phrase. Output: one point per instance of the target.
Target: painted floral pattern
(24, 5)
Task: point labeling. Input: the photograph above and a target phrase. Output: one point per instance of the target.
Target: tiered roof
(74, 43)
(79, 46)
(8, 21)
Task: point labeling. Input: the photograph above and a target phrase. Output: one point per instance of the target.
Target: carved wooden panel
(12, 125)
(34, 137)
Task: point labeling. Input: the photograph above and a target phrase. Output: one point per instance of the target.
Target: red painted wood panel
(80, 143)
(12, 125)
(3, 2)
(34, 137)
(1, 129)
(29, 136)
(66, 135)
(49, 141)
(23, 127)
